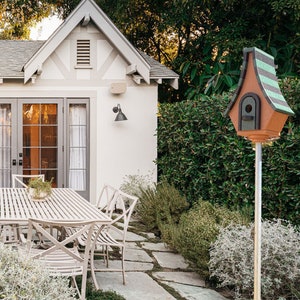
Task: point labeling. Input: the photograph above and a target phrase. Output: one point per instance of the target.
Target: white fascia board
(120, 42)
(49, 47)
(104, 24)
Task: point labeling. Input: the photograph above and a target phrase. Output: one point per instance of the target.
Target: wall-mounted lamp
(120, 116)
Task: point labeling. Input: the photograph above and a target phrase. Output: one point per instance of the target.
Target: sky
(45, 28)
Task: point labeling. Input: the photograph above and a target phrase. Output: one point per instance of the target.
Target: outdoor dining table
(64, 204)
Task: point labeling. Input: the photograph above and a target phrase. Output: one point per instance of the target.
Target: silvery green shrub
(24, 278)
(232, 260)
(134, 184)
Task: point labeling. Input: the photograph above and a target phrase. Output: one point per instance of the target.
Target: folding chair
(111, 236)
(62, 256)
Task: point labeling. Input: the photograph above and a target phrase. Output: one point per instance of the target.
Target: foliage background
(201, 155)
(200, 40)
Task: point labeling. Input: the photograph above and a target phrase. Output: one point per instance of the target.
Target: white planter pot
(37, 196)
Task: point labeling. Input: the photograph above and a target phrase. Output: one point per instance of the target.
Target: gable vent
(83, 52)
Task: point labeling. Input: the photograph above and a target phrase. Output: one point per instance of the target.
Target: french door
(37, 138)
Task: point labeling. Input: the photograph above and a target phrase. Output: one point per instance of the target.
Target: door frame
(60, 133)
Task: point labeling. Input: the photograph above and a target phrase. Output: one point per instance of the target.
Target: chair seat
(59, 263)
(105, 238)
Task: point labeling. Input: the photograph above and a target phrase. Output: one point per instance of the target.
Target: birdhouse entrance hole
(249, 112)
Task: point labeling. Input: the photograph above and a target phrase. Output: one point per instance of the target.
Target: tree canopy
(17, 16)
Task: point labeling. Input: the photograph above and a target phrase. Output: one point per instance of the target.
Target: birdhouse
(257, 109)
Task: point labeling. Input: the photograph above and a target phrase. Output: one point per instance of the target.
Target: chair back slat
(18, 179)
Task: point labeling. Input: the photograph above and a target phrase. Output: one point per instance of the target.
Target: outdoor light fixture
(120, 116)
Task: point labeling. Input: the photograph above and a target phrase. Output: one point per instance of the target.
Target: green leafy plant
(159, 206)
(232, 260)
(198, 228)
(40, 187)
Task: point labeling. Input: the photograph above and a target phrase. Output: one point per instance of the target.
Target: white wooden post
(257, 228)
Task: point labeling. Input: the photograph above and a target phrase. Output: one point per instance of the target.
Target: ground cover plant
(23, 278)
(232, 260)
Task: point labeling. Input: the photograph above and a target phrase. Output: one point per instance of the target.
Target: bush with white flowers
(23, 278)
(232, 260)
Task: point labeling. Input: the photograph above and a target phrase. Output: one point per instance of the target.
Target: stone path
(154, 272)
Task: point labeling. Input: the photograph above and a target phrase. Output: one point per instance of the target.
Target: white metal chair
(106, 196)
(18, 179)
(119, 208)
(62, 256)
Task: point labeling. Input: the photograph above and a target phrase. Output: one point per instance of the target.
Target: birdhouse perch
(257, 109)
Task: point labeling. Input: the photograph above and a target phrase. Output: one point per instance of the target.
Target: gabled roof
(88, 10)
(15, 53)
(264, 68)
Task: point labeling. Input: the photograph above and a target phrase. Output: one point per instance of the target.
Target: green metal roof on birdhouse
(266, 76)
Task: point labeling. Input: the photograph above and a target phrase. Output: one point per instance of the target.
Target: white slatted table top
(63, 204)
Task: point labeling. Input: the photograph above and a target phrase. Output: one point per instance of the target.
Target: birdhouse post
(258, 112)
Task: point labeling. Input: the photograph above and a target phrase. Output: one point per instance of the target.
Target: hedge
(201, 155)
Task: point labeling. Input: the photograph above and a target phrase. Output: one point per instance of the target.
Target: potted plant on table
(39, 189)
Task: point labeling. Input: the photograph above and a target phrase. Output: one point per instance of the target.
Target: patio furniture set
(65, 231)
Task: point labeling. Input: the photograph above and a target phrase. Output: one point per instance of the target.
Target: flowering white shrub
(23, 278)
(232, 260)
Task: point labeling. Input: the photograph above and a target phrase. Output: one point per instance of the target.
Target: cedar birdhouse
(257, 109)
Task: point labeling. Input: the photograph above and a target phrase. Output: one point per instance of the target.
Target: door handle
(20, 162)
(14, 162)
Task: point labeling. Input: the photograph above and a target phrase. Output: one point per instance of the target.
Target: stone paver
(155, 246)
(194, 293)
(170, 260)
(129, 265)
(189, 278)
(137, 255)
(138, 286)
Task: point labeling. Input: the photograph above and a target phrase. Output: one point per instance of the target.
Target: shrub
(198, 228)
(160, 206)
(23, 278)
(232, 262)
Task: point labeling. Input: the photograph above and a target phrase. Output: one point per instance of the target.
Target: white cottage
(59, 100)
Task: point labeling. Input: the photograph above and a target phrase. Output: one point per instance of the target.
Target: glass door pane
(40, 143)
(5, 144)
(78, 147)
